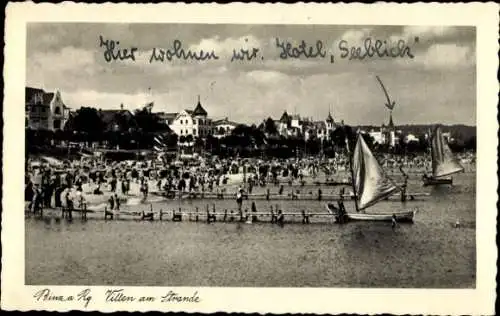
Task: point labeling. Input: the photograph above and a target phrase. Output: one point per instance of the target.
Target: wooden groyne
(316, 196)
(209, 215)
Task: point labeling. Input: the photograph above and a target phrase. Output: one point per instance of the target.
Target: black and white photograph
(249, 155)
(241, 156)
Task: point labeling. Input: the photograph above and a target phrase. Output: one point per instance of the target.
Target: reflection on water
(428, 253)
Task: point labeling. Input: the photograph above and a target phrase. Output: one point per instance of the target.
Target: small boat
(403, 216)
(430, 180)
(444, 163)
(331, 183)
(370, 185)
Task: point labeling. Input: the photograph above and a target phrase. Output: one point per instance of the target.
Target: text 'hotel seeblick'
(371, 48)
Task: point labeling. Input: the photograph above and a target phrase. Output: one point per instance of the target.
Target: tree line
(120, 129)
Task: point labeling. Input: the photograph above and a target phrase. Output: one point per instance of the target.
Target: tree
(339, 136)
(270, 127)
(87, 121)
(170, 140)
(149, 122)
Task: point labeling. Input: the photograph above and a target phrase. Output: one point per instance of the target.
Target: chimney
(121, 106)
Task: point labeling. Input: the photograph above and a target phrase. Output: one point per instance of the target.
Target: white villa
(294, 125)
(190, 122)
(223, 128)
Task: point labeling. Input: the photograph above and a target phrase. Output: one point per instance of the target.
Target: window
(181, 131)
(181, 122)
(57, 110)
(194, 131)
(57, 124)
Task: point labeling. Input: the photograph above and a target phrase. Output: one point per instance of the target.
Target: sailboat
(444, 162)
(370, 185)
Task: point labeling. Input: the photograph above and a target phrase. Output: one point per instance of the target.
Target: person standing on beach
(117, 202)
(124, 185)
(239, 198)
(111, 202)
(404, 185)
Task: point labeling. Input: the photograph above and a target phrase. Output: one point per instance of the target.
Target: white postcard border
(17, 296)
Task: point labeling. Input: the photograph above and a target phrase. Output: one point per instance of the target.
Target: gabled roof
(47, 98)
(30, 96)
(31, 92)
(224, 121)
(199, 110)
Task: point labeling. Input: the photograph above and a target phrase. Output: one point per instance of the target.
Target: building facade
(294, 125)
(223, 128)
(191, 122)
(45, 110)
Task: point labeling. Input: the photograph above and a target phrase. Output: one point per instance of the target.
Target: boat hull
(403, 216)
(331, 183)
(436, 181)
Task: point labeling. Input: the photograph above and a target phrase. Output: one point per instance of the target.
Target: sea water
(430, 253)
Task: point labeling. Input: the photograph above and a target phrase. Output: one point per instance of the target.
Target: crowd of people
(71, 183)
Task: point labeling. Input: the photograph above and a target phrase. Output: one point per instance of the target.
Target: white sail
(370, 181)
(444, 162)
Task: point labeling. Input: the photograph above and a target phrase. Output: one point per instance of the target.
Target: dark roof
(199, 110)
(47, 98)
(167, 116)
(190, 112)
(31, 92)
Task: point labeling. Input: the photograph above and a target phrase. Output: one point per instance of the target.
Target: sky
(437, 85)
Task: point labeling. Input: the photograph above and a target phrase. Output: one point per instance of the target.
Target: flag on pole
(159, 141)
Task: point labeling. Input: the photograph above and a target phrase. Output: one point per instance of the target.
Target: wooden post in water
(107, 213)
(84, 211)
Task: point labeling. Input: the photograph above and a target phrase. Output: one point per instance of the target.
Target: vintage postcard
(309, 158)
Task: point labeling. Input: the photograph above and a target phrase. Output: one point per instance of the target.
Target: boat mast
(429, 141)
(352, 174)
